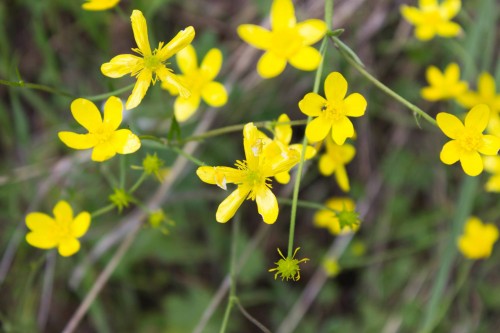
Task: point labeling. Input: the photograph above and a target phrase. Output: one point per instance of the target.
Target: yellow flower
(332, 112)
(478, 239)
(467, 141)
(485, 94)
(433, 18)
(199, 80)
(263, 161)
(335, 160)
(492, 165)
(99, 4)
(330, 220)
(288, 41)
(445, 85)
(104, 135)
(148, 63)
(283, 136)
(331, 267)
(61, 231)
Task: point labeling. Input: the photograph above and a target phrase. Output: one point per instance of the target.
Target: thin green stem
(102, 210)
(306, 204)
(296, 188)
(138, 183)
(36, 86)
(109, 94)
(415, 109)
(232, 273)
(188, 156)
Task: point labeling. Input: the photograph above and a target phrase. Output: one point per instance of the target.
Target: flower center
(62, 230)
(470, 140)
(195, 81)
(254, 179)
(333, 112)
(286, 42)
(433, 17)
(103, 135)
(152, 62)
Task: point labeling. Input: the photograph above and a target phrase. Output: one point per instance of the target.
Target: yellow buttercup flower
(333, 111)
(288, 41)
(445, 85)
(104, 135)
(62, 231)
(148, 63)
(468, 140)
(433, 18)
(263, 161)
(330, 220)
(99, 4)
(478, 239)
(199, 81)
(334, 161)
(283, 136)
(492, 165)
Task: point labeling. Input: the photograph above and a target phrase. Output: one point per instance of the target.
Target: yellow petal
(220, 176)
(40, 222)
(252, 144)
(125, 142)
(230, 205)
(427, 3)
(424, 32)
(335, 87)
(450, 153)
(341, 130)
(478, 118)
(486, 85)
(355, 105)
(68, 246)
(311, 31)
(267, 205)
(255, 35)
(187, 60)
(180, 41)
(448, 29)
(312, 104)
(172, 89)
(326, 165)
(493, 184)
(283, 177)
(173, 80)
(490, 146)
(103, 151)
(282, 15)
(431, 94)
(342, 179)
(140, 89)
(122, 64)
(449, 124)
(86, 114)
(42, 240)
(412, 14)
(492, 164)
(184, 108)
(113, 113)
(77, 141)
(214, 94)
(99, 4)
(471, 163)
(283, 133)
(140, 29)
(306, 59)
(452, 73)
(80, 224)
(63, 213)
(434, 76)
(270, 65)
(451, 8)
(318, 129)
(211, 64)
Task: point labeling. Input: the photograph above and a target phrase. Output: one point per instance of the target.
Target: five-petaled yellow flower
(332, 112)
(334, 160)
(61, 231)
(199, 81)
(264, 160)
(148, 63)
(330, 220)
(468, 140)
(288, 41)
(283, 136)
(445, 85)
(104, 135)
(433, 18)
(478, 239)
(99, 4)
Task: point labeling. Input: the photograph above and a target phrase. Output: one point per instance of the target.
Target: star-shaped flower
(445, 85)
(148, 63)
(478, 239)
(288, 41)
(104, 135)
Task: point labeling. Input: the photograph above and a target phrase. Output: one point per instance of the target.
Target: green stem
(112, 93)
(306, 204)
(415, 109)
(232, 273)
(22, 84)
(138, 183)
(296, 187)
(463, 210)
(188, 156)
(102, 210)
